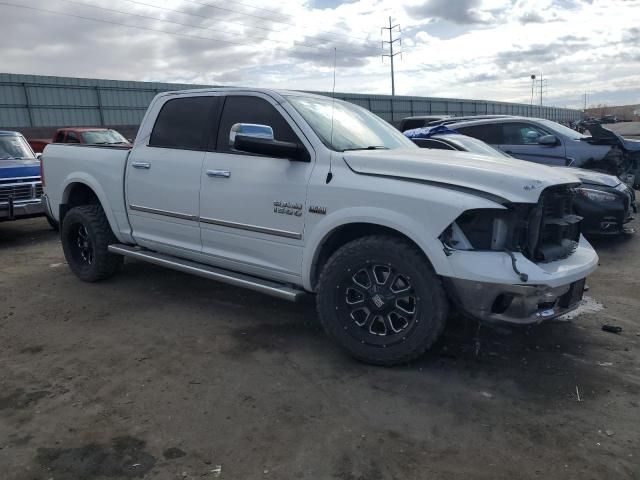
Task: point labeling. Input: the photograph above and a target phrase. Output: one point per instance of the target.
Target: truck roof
(83, 129)
(268, 91)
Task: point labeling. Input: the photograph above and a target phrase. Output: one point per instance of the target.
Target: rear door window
(490, 133)
(185, 123)
(72, 137)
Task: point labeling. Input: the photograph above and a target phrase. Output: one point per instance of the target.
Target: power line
(182, 12)
(138, 27)
(188, 25)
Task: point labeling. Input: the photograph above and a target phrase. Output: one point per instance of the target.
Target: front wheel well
(344, 234)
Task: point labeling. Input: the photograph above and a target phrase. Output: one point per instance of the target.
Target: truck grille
(20, 191)
(554, 230)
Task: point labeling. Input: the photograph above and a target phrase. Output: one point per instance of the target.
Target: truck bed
(102, 168)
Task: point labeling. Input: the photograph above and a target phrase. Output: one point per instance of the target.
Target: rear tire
(380, 299)
(86, 236)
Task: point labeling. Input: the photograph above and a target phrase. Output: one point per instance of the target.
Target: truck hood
(505, 178)
(19, 168)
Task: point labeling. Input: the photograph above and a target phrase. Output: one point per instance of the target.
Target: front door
(252, 207)
(520, 140)
(163, 177)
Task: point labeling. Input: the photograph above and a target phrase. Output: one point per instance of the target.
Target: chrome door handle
(219, 173)
(146, 165)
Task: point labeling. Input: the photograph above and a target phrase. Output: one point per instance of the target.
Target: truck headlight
(484, 229)
(596, 195)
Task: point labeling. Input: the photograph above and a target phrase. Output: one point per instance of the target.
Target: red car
(83, 135)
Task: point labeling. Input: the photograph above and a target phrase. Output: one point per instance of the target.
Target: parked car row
(604, 202)
(547, 142)
(290, 194)
(20, 168)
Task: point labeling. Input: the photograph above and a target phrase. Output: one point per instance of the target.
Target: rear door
(163, 176)
(520, 139)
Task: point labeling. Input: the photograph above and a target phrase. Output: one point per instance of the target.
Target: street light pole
(533, 86)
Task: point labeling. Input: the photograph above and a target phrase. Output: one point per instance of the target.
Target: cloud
(456, 48)
(463, 12)
(531, 17)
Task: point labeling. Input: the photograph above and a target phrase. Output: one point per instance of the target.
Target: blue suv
(544, 141)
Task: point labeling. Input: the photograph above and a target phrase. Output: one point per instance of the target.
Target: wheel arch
(324, 245)
(83, 191)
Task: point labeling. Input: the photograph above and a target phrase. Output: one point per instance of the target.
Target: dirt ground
(160, 375)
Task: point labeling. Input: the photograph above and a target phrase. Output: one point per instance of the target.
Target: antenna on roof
(333, 103)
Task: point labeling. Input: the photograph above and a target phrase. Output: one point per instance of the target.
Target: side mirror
(548, 140)
(38, 155)
(258, 139)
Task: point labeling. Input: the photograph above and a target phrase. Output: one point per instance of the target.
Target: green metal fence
(31, 101)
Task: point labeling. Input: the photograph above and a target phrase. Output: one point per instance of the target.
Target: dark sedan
(605, 203)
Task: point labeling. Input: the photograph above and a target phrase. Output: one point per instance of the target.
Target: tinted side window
(489, 133)
(521, 134)
(245, 109)
(411, 124)
(183, 123)
(59, 137)
(72, 138)
(431, 143)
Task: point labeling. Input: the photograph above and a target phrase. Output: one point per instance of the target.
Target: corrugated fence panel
(14, 117)
(49, 117)
(56, 96)
(43, 101)
(123, 117)
(12, 95)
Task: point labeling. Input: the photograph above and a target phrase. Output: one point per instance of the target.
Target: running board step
(232, 278)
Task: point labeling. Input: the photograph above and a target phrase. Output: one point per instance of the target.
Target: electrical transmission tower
(391, 53)
(543, 84)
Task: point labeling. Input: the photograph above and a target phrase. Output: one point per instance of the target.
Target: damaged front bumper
(519, 304)
(486, 287)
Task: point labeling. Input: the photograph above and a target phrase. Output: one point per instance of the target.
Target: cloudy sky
(484, 49)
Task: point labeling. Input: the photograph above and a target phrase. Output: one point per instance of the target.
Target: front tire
(86, 236)
(380, 299)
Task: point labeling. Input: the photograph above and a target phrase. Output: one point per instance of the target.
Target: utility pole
(391, 53)
(544, 84)
(541, 83)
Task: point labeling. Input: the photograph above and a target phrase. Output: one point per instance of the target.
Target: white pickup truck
(289, 193)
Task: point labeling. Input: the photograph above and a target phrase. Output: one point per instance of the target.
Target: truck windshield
(343, 126)
(14, 147)
(103, 137)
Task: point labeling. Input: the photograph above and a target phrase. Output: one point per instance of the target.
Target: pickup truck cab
(20, 185)
(81, 135)
(289, 193)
